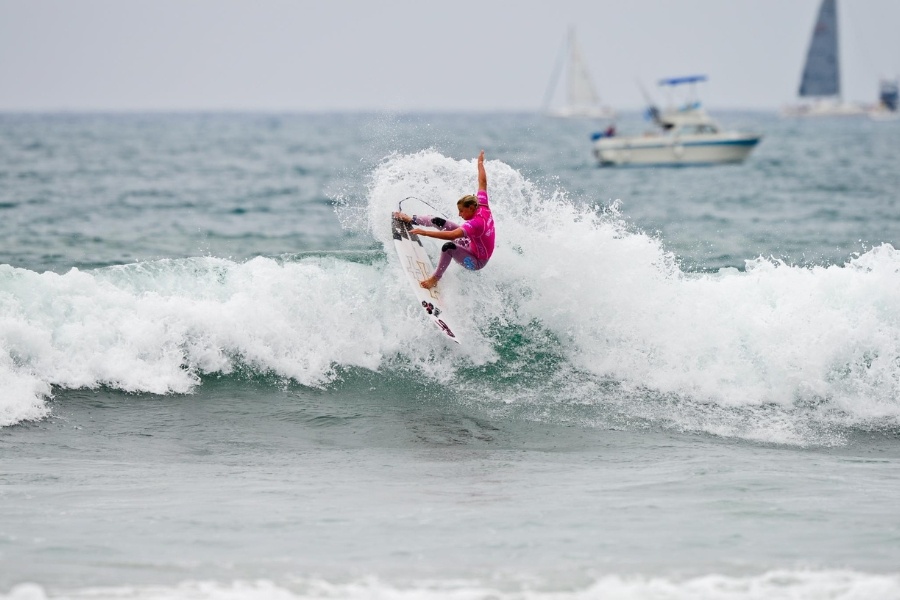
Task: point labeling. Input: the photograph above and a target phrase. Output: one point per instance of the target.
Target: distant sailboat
(581, 96)
(821, 80)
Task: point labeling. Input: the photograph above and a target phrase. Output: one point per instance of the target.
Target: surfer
(470, 244)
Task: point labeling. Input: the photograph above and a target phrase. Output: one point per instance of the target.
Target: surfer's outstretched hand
(402, 216)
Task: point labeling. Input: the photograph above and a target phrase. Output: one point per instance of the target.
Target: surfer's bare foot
(429, 283)
(402, 216)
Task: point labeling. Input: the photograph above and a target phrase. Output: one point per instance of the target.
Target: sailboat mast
(572, 67)
(554, 78)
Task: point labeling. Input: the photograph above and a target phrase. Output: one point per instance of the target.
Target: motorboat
(887, 107)
(682, 136)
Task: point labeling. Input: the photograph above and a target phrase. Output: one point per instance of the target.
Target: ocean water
(673, 383)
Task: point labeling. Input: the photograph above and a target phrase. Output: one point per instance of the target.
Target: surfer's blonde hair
(467, 201)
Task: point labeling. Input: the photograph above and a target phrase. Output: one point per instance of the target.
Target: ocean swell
(574, 298)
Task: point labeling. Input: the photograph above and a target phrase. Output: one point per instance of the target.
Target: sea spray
(575, 306)
(772, 585)
(773, 339)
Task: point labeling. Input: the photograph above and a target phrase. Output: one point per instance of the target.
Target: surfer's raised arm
(482, 176)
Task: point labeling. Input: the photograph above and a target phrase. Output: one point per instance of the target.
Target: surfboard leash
(400, 205)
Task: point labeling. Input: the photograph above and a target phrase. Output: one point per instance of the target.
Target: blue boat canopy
(680, 80)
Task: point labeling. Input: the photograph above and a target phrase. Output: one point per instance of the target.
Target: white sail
(582, 99)
(581, 92)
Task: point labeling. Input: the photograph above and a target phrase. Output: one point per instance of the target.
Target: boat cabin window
(700, 129)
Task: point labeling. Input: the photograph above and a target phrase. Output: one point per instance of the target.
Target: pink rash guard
(480, 229)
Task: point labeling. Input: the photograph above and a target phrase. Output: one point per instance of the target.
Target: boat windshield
(702, 128)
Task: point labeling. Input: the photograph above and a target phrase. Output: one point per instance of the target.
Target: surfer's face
(467, 212)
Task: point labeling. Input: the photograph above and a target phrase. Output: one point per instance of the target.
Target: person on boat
(470, 244)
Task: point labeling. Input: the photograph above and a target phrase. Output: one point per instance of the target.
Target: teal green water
(674, 383)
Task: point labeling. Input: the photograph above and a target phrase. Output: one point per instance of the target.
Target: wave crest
(572, 297)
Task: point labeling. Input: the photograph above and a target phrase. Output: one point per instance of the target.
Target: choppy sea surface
(673, 383)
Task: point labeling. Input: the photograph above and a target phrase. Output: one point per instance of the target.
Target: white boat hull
(675, 150)
(884, 115)
(823, 110)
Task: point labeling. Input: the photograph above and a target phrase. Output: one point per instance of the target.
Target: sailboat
(582, 100)
(820, 84)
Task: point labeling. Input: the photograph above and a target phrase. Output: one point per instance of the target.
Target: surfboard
(416, 266)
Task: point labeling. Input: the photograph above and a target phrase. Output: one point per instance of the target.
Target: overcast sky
(462, 55)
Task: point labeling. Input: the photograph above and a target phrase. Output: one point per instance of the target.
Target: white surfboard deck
(417, 267)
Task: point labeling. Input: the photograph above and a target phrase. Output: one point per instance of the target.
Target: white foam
(156, 327)
(789, 346)
(773, 585)
(821, 339)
